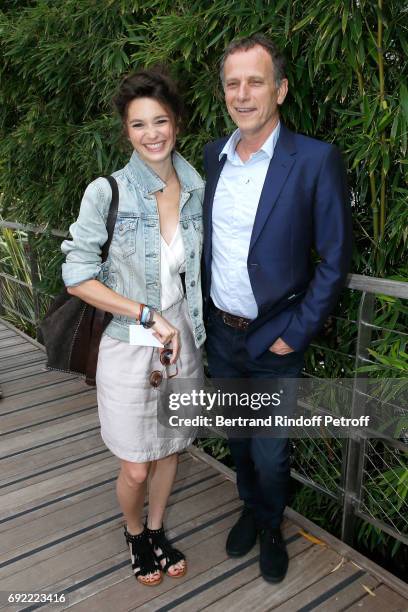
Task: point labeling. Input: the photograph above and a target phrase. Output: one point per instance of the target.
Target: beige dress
(127, 404)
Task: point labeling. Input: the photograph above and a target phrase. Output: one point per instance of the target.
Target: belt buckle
(234, 321)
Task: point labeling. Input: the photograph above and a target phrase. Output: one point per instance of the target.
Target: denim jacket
(132, 268)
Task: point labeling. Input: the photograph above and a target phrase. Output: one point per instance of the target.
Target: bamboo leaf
(403, 95)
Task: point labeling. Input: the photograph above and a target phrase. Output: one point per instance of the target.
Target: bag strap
(101, 318)
(112, 214)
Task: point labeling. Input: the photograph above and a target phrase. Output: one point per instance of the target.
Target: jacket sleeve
(333, 242)
(205, 159)
(89, 234)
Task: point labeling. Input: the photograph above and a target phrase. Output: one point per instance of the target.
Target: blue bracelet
(145, 315)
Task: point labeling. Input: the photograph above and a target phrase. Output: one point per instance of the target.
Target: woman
(157, 237)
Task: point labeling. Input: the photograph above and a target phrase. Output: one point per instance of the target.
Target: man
(271, 197)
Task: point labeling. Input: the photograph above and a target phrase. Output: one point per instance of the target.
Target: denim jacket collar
(149, 182)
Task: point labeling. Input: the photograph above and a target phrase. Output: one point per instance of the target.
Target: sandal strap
(170, 554)
(142, 553)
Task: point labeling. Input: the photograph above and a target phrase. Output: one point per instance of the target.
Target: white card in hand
(141, 336)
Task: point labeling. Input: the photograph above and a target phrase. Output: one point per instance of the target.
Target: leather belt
(232, 320)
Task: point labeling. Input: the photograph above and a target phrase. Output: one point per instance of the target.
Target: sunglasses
(156, 377)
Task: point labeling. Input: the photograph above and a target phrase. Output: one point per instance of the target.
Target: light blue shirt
(235, 204)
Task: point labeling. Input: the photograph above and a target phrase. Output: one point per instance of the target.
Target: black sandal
(164, 551)
(143, 559)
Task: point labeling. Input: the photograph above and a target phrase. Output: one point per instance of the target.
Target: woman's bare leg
(131, 492)
(161, 479)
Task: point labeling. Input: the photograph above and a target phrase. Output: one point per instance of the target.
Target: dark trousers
(262, 463)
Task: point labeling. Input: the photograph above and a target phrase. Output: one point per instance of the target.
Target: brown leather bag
(72, 329)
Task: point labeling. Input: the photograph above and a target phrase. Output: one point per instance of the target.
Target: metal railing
(356, 464)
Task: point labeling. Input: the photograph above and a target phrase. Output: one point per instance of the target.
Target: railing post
(355, 448)
(2, 310)
(35, 279)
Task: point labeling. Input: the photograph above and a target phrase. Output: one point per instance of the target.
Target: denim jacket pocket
(124, 236)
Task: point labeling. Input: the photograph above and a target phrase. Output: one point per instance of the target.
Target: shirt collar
(268, 146)
(149, 182)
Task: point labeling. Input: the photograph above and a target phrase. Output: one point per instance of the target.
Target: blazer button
(195, 312)
(192, 284)
(185, 224)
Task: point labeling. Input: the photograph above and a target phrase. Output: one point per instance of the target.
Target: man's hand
(280, 347)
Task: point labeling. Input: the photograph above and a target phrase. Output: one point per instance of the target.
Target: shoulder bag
(72, 329)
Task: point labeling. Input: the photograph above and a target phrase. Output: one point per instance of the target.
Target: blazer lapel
(278, 171)
(211, 185)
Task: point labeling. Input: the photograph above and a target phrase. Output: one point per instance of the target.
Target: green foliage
(16, 296)
(347, 67)
(62, 62)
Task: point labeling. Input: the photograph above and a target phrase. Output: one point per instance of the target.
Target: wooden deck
(60, 525)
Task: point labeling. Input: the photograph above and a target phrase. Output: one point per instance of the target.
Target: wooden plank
(21, 465)
(7, 333)
(11, 363)
(13, 351)
(82, 487)
(61, 451)
(53, 432)
(220, 577)
(343, 549)
(20, 498)
(47, 521)
(334, 592)
(80, 553)
(40, 397)
(11, 341)
(80, 513)
(22, 545)
(28, 384)
(24, 371)
(377, 285)
(75, 532)
(23, 335)
(117, 589)
(237, 585)
(88, 489)
(384, 600)
(38, 416)
(36, 476)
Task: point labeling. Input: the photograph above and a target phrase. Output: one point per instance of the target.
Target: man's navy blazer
(303, 211)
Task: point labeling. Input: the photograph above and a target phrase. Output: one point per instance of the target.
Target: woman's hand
(165, 332)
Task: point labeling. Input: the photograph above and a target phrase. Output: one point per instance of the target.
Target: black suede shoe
(273, 559)
(242, 536)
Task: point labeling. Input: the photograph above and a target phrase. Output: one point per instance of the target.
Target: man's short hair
(243, 44)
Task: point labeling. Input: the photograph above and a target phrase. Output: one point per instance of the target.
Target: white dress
(127, 404)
